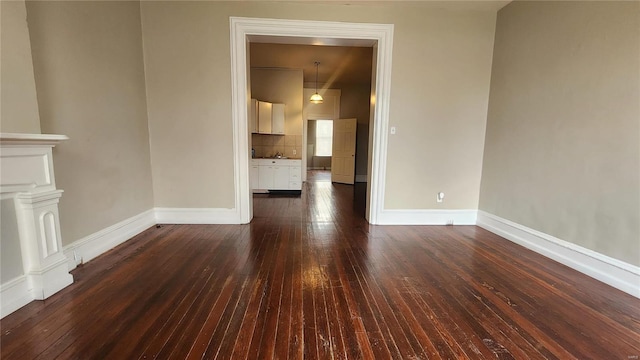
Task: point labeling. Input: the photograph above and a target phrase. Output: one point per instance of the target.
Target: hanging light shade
(316, 98)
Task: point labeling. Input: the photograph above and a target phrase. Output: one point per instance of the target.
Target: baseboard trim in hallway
(98, 243)
(613, 272)
(310, 278)
(15, 294)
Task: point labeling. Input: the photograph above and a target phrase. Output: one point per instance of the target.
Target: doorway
(378, 36)
(319, 145)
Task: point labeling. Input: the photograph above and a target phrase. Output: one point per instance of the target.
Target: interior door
(343, 157)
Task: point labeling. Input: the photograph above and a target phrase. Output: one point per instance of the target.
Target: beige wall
(440, 84)
(18, 101)
(90, 80)
(283, 86)
(10, 253)
(187, 62)
(439, 96)
(562, 153)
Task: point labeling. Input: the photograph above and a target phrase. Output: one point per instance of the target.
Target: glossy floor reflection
(309, 278)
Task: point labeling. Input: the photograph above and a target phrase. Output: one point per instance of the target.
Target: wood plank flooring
(309, 278)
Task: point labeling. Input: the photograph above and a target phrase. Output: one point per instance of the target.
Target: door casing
(379, 36)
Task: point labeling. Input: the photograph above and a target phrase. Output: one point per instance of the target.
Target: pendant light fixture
(316, 98)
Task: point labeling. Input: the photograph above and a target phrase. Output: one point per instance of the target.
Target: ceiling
(342, 61)
(464, 5)
(338, 64)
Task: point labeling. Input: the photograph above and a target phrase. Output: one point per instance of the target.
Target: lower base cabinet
(276, 174)
(254, 176)
(265, 177)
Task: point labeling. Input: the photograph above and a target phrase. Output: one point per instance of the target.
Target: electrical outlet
(294, 151)
(440, 197)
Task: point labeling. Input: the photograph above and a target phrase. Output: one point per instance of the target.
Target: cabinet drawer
(294, 173)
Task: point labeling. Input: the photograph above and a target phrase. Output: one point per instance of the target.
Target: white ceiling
(338, 64)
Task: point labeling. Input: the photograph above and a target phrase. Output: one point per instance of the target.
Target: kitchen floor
(318, 175)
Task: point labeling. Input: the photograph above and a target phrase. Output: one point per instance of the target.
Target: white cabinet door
(265, 176)
(277, 119)
(281, 177)
(295, 185)
(295, 178)
(255, 177)
(294, 173)
(264, 117)
(276, 174)
(253, 116)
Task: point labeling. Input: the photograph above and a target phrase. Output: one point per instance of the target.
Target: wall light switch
(393, 130)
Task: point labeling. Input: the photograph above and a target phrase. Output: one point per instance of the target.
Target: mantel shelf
(31, 139)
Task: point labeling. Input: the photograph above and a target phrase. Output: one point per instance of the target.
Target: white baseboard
(98, 243)
(361, 178)
(106, 239)
(19, 292)
(427, 217)
(197, 216)
(15, 294)
(51, 279)
(619, 274)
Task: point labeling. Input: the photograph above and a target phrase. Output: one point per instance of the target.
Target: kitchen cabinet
(253, 116)
(265, 177)
(255, 179)
(281, 177)
(277, 119)
(266, 118)
(295, 177)
(276, 174)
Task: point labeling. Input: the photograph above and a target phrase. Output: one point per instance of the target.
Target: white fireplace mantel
(31, 139)
(27, 177)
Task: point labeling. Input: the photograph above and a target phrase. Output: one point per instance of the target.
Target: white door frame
(309, 32)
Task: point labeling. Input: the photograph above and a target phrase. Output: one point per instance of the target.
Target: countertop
(275, 158)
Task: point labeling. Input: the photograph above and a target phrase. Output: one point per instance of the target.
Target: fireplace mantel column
(27, 176)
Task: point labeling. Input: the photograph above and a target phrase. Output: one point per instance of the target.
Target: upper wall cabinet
(277, 119)
(253, 116)
(266, 118)
(280, 86)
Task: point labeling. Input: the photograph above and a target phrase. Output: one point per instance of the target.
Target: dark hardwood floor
(309, 278)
